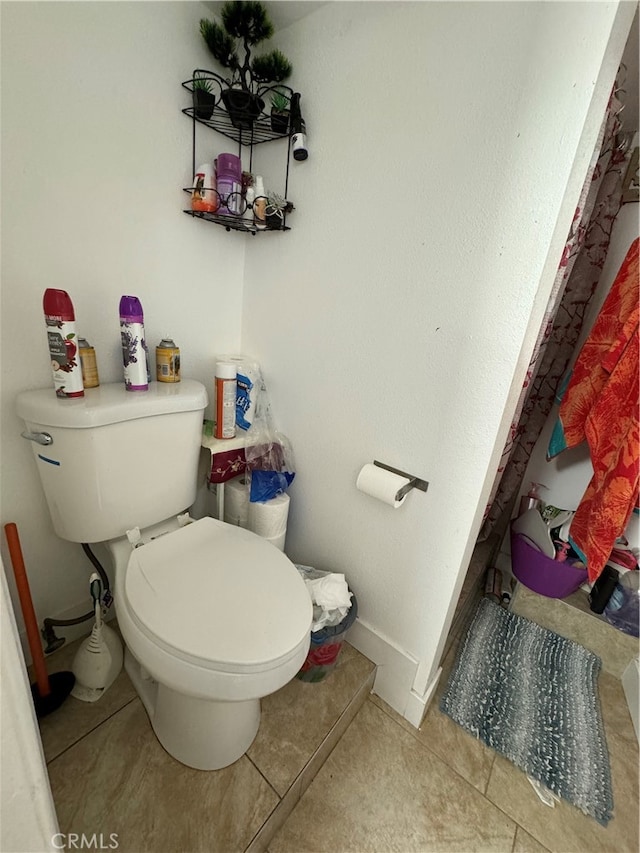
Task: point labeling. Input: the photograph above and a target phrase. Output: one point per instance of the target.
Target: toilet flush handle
(39, 437)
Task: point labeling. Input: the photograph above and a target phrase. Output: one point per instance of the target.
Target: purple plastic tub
(542, 574)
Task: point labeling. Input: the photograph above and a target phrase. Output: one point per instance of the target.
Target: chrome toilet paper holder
(414, 482)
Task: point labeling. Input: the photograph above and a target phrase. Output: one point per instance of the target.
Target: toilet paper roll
(236, 502)
(278, 541)
(269, 519)
(381, 484)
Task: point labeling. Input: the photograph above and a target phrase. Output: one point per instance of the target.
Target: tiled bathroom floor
(384, 787)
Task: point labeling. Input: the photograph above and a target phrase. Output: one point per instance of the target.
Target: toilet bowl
(213, 618)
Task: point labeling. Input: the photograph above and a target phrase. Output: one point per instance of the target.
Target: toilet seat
(219, 597)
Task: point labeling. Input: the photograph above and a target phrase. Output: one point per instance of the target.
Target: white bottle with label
(226, 386)
(249, 199)
(260, 205)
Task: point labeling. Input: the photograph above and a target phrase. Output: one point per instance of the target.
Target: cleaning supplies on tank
(62, 339)
(167, 361)
(88, 362)
(134, 345)
(330, 596)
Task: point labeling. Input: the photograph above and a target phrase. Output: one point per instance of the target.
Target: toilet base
(201, 733)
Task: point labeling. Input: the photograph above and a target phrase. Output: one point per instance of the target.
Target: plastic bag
(269, 455)
(249, 384)
(324, 617)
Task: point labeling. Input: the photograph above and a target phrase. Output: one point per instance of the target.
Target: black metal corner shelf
(234, 223)
(250, 133)
(261, 130)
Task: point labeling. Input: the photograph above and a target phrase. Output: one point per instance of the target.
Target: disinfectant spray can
(88, 363)
(63, 343)
(134, 346)
(167, 361)
(226, 386)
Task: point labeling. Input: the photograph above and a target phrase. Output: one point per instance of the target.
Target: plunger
(49, 692)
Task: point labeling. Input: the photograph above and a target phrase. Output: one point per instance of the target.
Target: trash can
(326, 645)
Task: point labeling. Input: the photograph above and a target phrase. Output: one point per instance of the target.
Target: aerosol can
(134, 346)
(63, 343)
(298, 130)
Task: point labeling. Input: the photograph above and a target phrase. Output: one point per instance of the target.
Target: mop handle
(28, 613)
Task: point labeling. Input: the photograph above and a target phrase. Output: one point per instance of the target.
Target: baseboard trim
(417, 705)
(631, 687)
(396, 669)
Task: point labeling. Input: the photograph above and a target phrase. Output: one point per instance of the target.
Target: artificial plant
(245, 25)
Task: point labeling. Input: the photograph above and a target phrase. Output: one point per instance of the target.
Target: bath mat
(532, 696)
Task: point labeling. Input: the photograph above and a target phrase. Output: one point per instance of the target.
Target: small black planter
(275, 221)
(243, 107)
(280, 121)
(203, 103)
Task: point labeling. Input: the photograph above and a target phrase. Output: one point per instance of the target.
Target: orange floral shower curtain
(576, 280)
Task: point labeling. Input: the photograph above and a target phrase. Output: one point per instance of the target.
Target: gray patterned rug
(532, 696)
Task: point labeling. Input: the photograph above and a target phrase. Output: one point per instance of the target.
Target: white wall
(95, 153)
(390, 322)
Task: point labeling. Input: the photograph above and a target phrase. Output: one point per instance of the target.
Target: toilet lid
(220, 594)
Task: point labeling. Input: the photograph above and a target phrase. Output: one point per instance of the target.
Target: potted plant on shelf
(203, 98)
(244, 25)
(276, 210)
(279, 112)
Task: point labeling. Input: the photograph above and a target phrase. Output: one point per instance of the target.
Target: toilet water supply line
(49, 635)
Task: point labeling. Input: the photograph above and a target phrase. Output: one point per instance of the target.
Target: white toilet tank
(118, 459)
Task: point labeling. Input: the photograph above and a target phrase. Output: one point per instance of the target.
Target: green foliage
(220, 43)
(271, 66)
(279, 101)
(245, 23)
(201, 83)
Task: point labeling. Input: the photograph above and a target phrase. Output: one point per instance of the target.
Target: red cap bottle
(63, 343)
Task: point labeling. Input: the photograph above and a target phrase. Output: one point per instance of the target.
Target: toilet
(213, 617)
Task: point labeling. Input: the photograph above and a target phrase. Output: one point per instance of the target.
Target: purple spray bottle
(134, 346)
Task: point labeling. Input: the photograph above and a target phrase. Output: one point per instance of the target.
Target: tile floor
(333, 769)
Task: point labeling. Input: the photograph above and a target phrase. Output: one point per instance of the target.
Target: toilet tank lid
(110, 403)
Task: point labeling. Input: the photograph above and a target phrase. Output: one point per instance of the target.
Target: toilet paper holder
(414, 482)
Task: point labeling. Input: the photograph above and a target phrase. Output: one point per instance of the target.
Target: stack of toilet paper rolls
(236, 502)
(268, 520)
